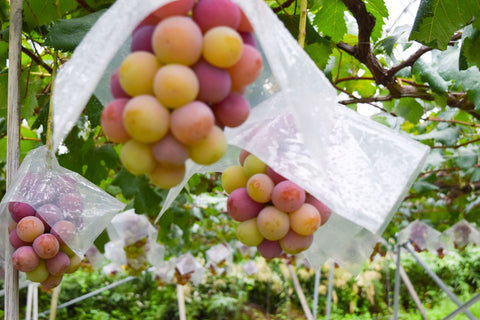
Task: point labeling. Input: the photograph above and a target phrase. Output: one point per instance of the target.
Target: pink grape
(177, 39)
(12, 226)
(170, 152)
(64, 231)
(167, 177)
(11, 205)
(215, 83)
(20, 210)
(247, 69)
(276, 178)
(293, 243)
(142, 39)
(260, 187)
(15, 241)
(52, 281)
(115, 87)
(25, 259)
(30, 228)
(273, 224)
(249, 39)
(241, 207)
(46, 246)
(213, 13)
(58, 264)
(112, 121)
(174, 8)
(324, 211)
(269, 249)
(192, 122)
(49, 214)
(232, 111)
(244, 25)
(288, 196)
(305, 220)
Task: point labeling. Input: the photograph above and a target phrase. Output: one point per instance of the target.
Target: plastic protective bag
(133, 242)
(460, 235)
(357, 167)
(219, 259)
(421, 236)
(58, 194)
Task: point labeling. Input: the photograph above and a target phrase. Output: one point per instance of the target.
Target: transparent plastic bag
(460, 235)
(360, 169)
(58, 195)
(133, 241)
(421, 236)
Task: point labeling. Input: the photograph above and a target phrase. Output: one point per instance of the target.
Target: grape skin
(175, 85)
(192, 122)
(222, 47)
(112, 121)
(273, 224)
(213, 13)
(241, 207)
(25, 259)
(137, 157)
(29, 228)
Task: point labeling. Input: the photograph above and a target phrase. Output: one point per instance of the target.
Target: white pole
(181, 302)
(28, 314)
(35, 301)
(300, 294)
(330, 290)
(318, 274)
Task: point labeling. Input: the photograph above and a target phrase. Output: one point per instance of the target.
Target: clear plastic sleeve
(58, 195)
(360, 169)
(133, 241)
(421, 236)
(460, 235)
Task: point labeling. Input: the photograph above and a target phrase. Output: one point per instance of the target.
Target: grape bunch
(39, 235)
(275, 214)
(136, 254)
(180, 86)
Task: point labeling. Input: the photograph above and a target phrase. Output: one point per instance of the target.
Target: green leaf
(3, 54)
(379, 11)
(429, 74)
(330, 20)
(438, 20)
(147, 200)
(93, 111)
(127, 182)
(32, 86)
(67, 34)
(467, 158)
(423, 186)
(475, 175)
(409, 109)
(319, 53)
(471, 46)
(448, 136)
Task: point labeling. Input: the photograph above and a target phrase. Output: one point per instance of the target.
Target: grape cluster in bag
(181, 84)
(275, 214)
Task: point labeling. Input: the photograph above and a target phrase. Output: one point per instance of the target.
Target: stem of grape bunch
(303, 23)
(50, 109)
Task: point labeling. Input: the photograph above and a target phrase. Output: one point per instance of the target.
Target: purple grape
(15, 241)
(248, 38)
(72, 206)
(142, 39)
(58, 264)
(64, 184)
(21, 210)
(49, 214)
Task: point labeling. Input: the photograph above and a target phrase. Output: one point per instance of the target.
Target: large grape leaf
(471, 46)
(379, 11)
(409, 109)
(42, 12)
(429, 74)
(66, 34)
(438, 20)
(330, 20)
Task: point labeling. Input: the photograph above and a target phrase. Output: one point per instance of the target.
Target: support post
(318, 274)
(13, 145)
(181, 302)
(396, 289)
(438, 281)
(300, 294)
(330, 290)
(464, 307)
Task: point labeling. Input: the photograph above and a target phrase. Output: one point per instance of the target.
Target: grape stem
(303, 23)
(50, 108)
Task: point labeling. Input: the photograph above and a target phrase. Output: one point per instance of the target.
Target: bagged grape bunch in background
(53, 216)
(358, 168)
(133, 243)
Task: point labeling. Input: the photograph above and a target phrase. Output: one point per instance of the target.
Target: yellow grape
(222, 46)
(137, 157)
(137, 71)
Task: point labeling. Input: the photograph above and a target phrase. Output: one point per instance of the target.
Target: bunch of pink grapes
(181, 85)
(39, 235)
(275, 215)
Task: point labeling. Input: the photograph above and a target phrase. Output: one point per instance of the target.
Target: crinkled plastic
(41, 181)
(129, 228)
(219, 258)
(165, 271)
(460, 235)
(250, 268)
(186, 264)
(421, 236)
(360, 169)
(95, 257)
